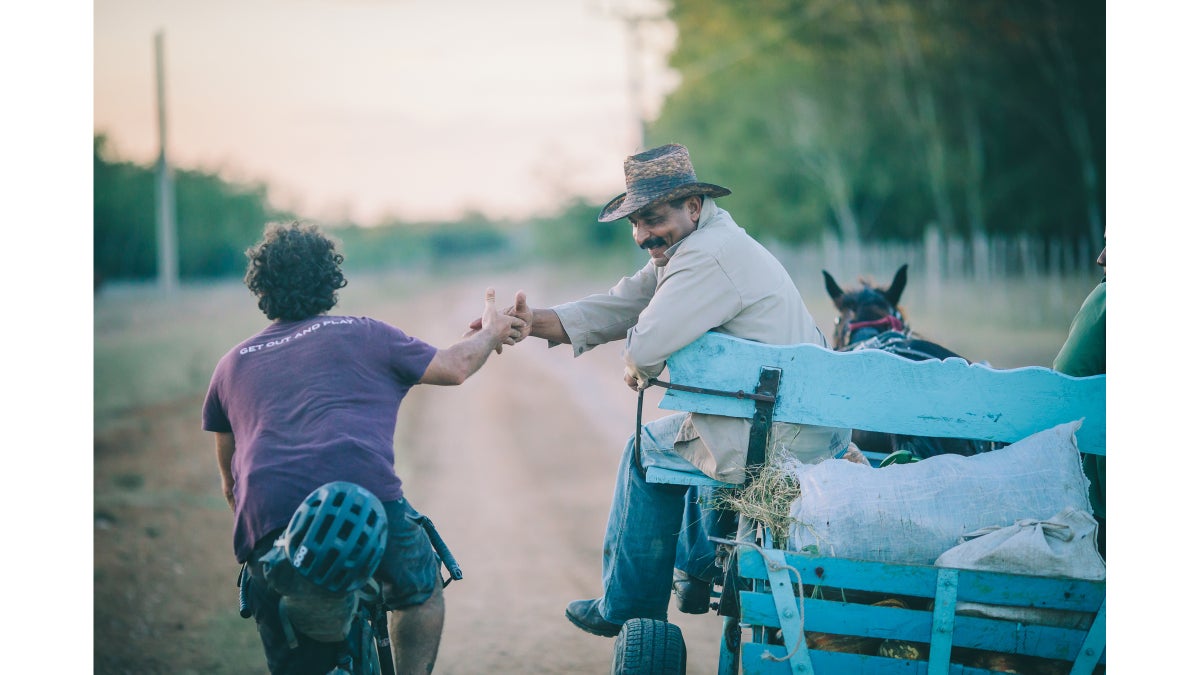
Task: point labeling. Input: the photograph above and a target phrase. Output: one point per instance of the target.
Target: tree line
(215, 219)
(875, 118)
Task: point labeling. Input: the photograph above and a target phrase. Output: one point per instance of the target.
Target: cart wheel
(649, 647)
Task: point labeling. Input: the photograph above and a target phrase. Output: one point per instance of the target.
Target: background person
(313, 398)
(1083, 354)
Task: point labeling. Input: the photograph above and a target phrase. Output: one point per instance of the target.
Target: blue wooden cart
(877, 391)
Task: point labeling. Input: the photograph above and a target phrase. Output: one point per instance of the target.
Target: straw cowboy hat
(658, 175)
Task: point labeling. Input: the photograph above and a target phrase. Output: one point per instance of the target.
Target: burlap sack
(1061, 546)
(912, 513)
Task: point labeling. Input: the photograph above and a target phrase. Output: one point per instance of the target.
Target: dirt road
(516, 467)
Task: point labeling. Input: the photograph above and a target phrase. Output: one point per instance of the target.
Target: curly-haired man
(313, 398)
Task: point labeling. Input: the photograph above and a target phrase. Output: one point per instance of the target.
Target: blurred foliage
(876, 118)
(216, 220)
(871, 119)
(396, 244)
(576, 232)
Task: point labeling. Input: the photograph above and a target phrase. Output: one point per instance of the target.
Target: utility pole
(633, 28)
(168, 256)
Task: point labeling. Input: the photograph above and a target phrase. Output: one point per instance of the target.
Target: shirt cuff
(571, 318)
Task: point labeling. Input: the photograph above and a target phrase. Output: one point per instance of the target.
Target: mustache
(653, 242)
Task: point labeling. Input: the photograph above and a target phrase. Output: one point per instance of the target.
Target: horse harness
(845, 337)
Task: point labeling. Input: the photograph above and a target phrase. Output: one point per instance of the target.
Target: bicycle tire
(649, 647)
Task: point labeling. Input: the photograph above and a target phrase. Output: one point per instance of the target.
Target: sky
(373, 109)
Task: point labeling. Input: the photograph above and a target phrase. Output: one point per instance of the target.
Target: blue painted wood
(1092, 651)
(916, 625)
(998, 588)
(839, 663)
(944, 602)
(656, 474)
(727, 661)
(825, 616)
(876, 391)
(833, 615)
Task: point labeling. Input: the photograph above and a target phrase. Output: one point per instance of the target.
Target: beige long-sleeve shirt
(717, 278)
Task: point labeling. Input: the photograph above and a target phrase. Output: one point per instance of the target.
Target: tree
(874, 118)
(217, 220)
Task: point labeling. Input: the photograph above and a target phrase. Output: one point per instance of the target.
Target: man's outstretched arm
(541, 323)
(453, 365)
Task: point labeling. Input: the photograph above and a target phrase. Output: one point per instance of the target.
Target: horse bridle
(891, 322)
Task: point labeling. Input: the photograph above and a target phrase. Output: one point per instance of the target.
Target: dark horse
(871, 318)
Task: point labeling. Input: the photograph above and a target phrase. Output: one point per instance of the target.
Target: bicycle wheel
(649, 647)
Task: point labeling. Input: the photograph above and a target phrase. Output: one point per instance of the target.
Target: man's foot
(693, 595)
(586, 615)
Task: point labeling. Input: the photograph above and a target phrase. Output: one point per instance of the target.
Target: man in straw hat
(705, 273)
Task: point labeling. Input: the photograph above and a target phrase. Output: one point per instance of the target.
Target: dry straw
(768, 498)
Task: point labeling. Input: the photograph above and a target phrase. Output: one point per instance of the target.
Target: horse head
(867, 311)
(870, 312)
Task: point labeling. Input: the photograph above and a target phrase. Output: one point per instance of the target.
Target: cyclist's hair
(295, 271)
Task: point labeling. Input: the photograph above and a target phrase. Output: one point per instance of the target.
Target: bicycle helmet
(337, 536)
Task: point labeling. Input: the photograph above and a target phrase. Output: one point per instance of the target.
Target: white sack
(1063, 546)
(912, 513)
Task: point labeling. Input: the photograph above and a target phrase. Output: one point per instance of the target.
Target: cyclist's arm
(456, 363)
(225, 447)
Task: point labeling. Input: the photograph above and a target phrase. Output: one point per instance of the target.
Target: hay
(768, 498)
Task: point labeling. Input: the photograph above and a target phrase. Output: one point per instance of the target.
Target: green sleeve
(1083, 352)
(1081, 355)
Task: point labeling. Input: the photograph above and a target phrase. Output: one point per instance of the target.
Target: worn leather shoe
(693, 595)
(586, 615)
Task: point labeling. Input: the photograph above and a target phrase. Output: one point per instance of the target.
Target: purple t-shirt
(310, 402)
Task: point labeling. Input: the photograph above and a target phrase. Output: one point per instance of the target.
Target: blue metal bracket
(791, 619)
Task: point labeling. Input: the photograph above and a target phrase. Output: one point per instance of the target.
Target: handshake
(510, 326)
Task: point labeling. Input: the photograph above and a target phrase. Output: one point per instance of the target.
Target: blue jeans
(653, 527)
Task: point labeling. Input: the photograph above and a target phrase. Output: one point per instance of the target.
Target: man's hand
(227, 487)
(632, 381)
(453, 365)
(518, 310)
(504, 326)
